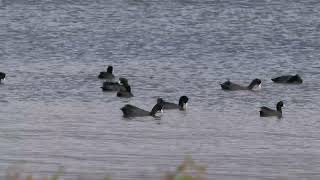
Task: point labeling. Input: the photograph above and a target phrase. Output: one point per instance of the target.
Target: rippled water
(53, 112)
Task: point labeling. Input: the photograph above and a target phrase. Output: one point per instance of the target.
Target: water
(54, 114)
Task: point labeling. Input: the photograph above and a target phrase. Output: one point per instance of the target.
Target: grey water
(53, 113)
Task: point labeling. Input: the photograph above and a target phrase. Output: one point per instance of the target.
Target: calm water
(54, 114)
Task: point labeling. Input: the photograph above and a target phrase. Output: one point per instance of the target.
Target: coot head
(256, 83)
(123, 81)
(280, 105)
(2, 76)
(109, 69)
(158, 107)
(296, 79)
(159, 100)
(183, 101)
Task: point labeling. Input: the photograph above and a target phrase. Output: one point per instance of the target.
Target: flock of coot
(256, 83)
(123, 89)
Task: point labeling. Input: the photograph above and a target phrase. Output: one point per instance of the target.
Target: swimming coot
(107, 75)
(228, 85)
(266, 112)
(289, 79)
(182, 105)
(133, 111)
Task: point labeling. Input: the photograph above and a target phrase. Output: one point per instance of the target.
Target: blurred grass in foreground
(187, 170)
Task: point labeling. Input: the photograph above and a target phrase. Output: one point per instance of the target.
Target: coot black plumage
(289, 79)
(114, 86)
(107, 75)
(133, 111)
(125, 90)
(2, 76)
(266, 112)
(182, 105)
(228, 85)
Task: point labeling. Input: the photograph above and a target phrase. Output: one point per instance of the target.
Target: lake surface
(53, 112)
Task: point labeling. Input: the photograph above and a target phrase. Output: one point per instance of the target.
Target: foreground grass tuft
(188, 170)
